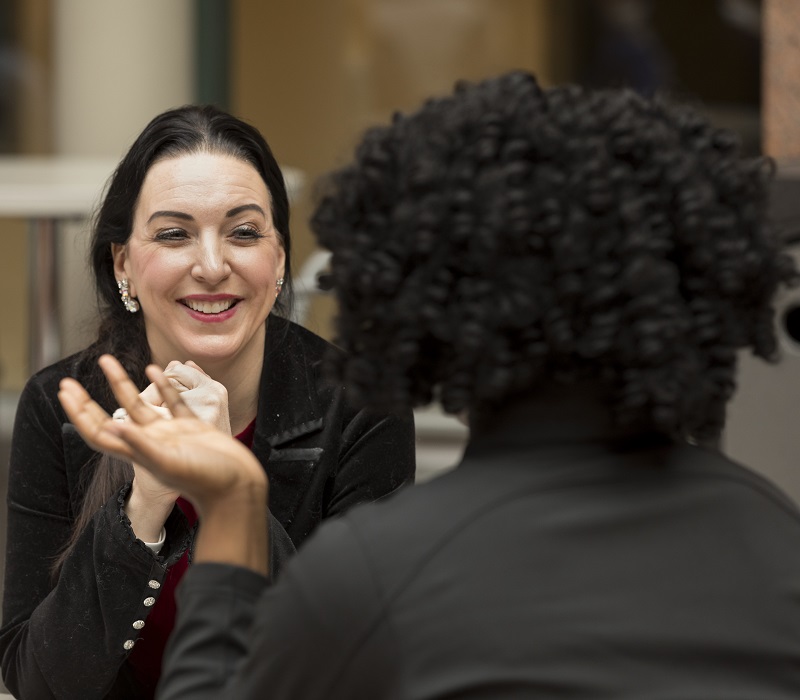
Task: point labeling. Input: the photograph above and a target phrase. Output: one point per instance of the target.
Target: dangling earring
(129, 303)
(278, 285)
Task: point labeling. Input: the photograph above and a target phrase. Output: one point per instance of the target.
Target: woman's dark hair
(507, 235)
(176, 132)
(185, 130)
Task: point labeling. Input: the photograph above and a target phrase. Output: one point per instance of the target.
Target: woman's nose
(211, 265)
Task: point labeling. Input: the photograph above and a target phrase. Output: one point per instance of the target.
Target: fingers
(80, 406)
(163, 411)
(169, 393)
(125, 391)
(122, 414)
(150, 395)
(148, 451)
(192, 363)
(175, 372)
(188, 375)
(92, 422)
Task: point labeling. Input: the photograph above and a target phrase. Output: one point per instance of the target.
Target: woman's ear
(281, 267)
(119, 253)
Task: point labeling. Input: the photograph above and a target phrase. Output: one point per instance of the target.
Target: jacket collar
(288, 402)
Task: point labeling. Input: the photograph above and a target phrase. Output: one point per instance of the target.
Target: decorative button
(138, 624)
(154, 584)
(128, 644)
(149, 601)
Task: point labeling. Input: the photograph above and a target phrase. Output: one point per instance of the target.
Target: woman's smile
(210, 308)
(203, 259)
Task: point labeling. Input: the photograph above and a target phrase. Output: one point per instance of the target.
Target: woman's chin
(219, 354)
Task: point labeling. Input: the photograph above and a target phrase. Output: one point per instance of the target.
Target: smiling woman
(191, 258)
(204, 259)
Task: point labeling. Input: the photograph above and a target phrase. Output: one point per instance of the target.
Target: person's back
(563, 266)
(605, 567)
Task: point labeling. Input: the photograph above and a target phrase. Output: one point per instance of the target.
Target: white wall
(117, 64)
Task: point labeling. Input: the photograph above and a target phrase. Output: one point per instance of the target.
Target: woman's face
(203, 259)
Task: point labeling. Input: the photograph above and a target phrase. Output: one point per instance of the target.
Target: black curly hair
(506, 235)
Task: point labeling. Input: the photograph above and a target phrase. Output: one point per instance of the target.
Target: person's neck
(552, 412)
(241, 379)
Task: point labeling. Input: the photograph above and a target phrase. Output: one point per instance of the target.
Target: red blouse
(147, 654)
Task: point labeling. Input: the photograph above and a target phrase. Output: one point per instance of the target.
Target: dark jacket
(552, 563)
(67, 640)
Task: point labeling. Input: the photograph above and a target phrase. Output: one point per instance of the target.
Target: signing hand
(185, 453)
(150, 501)
(215, 471)
(207, 398)
(218, 474)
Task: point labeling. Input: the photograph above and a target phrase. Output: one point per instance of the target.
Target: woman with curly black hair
(507, 236)
(574, 272)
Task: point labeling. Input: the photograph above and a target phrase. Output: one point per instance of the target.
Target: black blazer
(67, 640)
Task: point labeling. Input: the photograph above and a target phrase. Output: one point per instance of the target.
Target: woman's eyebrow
(245, 207)
(188, 217)
(171, 215)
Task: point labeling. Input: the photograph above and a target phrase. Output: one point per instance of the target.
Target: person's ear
(281, 267)
(119, 253)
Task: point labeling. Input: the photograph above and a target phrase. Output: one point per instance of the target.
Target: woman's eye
(172, 234)
(246, 233)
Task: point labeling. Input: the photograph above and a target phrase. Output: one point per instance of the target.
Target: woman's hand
(183, 452)
(149, 504)
(221, 477)
(205, 397)
(150, 501)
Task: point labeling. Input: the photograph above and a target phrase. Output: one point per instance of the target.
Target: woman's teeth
(209, 307)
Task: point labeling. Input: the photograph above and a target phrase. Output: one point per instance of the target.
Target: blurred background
(80, 78)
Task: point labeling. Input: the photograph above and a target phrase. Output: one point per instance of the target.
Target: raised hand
(150, 500)
(184, 452)
(221, 477)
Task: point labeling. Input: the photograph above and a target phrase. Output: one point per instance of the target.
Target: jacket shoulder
(296, 335)
(42, 387)
(76, 366)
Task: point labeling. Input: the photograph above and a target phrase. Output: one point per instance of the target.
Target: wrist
(233, 528)
(147, 514)
(248, 499)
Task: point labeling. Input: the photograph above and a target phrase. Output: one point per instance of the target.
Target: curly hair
(506, 235)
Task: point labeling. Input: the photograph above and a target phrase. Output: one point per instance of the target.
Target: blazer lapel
(288, 405)
(288, 411)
